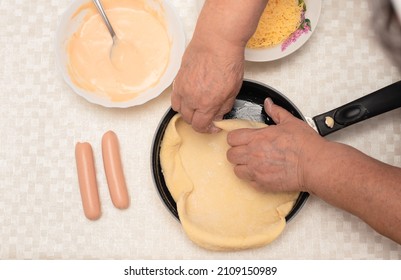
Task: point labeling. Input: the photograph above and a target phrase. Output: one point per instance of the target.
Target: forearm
(361, 185)
(228, 23)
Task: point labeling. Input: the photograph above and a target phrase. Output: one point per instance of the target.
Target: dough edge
(198, 235)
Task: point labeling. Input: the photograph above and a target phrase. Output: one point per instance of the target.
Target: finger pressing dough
(217, 210)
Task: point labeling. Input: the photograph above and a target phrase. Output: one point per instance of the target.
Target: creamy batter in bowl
(153, 40)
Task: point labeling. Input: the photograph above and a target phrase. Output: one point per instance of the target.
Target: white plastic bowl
(69, 26)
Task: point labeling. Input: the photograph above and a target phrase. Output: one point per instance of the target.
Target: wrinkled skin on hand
(275, 158)
(207, 84)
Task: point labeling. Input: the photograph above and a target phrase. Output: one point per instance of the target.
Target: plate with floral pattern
(309, 18)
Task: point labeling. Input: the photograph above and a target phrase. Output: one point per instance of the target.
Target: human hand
(278, 157)
(207, 83)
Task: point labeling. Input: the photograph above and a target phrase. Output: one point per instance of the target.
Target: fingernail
(268, 103)
(213, 129)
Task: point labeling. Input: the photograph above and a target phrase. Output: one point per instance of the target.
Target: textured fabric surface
(387, 24)
(41, 119)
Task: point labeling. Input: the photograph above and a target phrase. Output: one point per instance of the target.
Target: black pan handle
(376, 103)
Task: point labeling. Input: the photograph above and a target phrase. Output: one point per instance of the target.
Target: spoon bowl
(122, 53)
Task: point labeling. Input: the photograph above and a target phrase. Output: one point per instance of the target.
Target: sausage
(87, 180)
(114, 171)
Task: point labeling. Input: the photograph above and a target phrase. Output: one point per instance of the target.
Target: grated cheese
(278, 21)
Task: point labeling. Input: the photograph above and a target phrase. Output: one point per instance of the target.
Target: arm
(359, 184)
(212, 67)
(290, 156)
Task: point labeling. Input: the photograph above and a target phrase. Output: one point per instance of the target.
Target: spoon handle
(105, 19)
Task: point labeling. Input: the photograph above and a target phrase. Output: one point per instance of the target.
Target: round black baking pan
(248, 105)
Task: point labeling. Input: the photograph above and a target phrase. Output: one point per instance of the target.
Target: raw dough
(217, 210)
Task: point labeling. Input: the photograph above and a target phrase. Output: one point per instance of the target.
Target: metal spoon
(122, 53)
(106, 20)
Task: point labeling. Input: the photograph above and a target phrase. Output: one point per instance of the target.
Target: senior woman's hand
(212, 67)
(275, 158)
(207, 83)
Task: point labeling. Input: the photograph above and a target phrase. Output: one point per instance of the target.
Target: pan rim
(157, 173)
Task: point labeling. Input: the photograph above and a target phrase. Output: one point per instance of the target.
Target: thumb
(277, 113)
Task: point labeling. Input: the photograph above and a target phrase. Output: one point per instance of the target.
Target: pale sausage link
(114, 171)
(87, 180)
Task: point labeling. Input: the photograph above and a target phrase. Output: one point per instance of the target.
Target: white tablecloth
(41, 119)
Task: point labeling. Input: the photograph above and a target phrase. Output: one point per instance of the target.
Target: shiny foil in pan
(248, 105)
